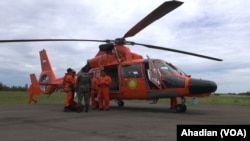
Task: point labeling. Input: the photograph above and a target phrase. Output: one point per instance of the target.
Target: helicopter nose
(198, 86)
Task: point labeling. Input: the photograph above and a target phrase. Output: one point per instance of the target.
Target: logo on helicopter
(132, 84)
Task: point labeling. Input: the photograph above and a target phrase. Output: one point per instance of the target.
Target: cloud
(217, 28)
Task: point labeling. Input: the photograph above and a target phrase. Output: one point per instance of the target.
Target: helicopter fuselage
(136, 78)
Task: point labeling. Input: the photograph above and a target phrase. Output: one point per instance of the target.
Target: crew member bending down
(103, 84)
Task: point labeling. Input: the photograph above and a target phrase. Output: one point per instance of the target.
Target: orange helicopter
(133, 77)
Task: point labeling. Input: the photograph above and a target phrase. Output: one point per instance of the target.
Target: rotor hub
(120, 41)
(106, 47)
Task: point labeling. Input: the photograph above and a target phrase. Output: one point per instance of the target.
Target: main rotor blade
(174, 50)
(159, 12)
(51, 40)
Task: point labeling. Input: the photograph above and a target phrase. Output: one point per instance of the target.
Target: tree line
(4, 87)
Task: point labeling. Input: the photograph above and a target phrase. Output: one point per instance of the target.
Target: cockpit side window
(165, 69)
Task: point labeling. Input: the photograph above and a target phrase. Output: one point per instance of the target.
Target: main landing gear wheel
(120, 103)
(181, 107)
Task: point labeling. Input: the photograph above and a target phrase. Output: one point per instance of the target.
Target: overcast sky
(217, 28)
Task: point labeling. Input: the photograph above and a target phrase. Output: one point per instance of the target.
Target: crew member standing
(103, 84)
(68, 82)
(93, 92)
(83, 86)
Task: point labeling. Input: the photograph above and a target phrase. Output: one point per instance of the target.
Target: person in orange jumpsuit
(173, 102)
(68, 82)
(93, 92)
(103, 84)
(31, 94)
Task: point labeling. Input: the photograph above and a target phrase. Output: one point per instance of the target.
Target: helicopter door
(132, 82)
(152, 73)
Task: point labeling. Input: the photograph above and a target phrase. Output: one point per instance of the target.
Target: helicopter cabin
(142, 79)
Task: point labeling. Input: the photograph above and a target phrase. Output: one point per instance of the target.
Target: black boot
(79, 109)
(86, 108)
(66, 109)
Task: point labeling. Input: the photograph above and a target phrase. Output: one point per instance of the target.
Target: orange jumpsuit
(93, 92)
(69, 82)
(103, 91)
(31, 94)
(173, 102)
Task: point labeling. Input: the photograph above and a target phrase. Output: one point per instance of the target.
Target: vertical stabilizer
(45, 63)
(47, 74)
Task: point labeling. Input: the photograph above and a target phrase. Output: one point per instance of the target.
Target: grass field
(9, 98)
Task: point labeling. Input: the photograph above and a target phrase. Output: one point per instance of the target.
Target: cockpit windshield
(166, 68)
